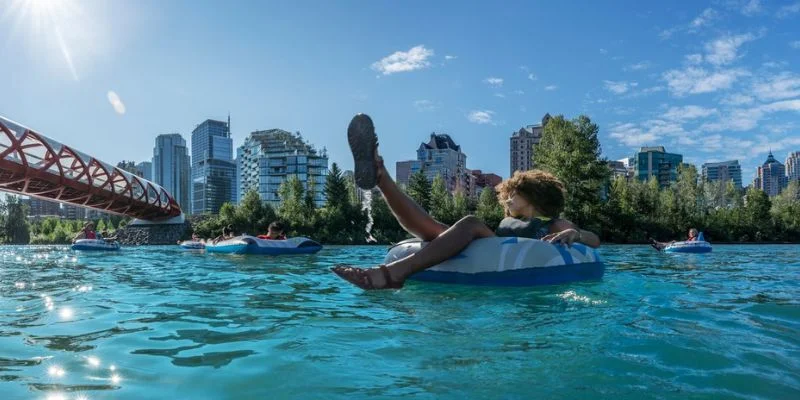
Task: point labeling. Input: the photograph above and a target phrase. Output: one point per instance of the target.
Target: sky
(712, 80)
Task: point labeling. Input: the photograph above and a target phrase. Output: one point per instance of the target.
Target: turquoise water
(160, 323)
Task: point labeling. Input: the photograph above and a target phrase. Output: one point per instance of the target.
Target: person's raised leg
(370, 172)
(392, 276)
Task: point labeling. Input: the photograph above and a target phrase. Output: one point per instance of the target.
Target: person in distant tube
(227, 233)
(86, 233)
(274, 232)
(662, 245)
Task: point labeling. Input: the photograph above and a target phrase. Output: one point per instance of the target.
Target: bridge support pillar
(166, 232)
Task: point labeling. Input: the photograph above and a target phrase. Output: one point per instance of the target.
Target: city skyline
(714, 80)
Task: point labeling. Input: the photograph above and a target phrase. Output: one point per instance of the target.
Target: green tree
(757, 214)
(15, 228)
(419, 189)
(386, 229)
(571, 151)
(253, 214)
(440, 200)
(489, 209)
(293, 208)
(336, 191)
(786, 211)
(460, 207)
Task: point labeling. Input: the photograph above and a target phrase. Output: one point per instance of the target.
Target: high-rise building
(618, 169)
(771, 176)
(655, 161)
(146, 168)
(213, 170)
(130, 166)
(723, 172)
(40, 208)
(267, 158)
(440, 156)
(73, 212)
(522, 142)
(793, 166)
(171, 167)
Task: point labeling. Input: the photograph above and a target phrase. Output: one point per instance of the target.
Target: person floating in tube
(275, 231)
(532, 201)
(86, 233)
(227, 233)
(662, 245)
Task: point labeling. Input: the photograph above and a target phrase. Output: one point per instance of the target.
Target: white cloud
(787, 11)
(481, 116)
(745, 119)
(631, 135)
(686, 113)
(785, 105)
(603, 51)
(532, 77)
(449, 57)
(493, 81)
(500, 95)
(638, 66)
(723, 50)
(519, 92)
(404, 61)
(781, 86)
(694, 58)
(795, 44)
(116, 102)
(619, 87)
(694, 80)
(550, 87)
(425, 105)
(751, 8)
(705, 18)
(654, 89)
(660, 127)
(623, 110)
(737, 99)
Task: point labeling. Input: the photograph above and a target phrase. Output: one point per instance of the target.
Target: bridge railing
(35, 165)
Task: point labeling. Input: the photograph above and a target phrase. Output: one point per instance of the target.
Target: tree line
(619, 210)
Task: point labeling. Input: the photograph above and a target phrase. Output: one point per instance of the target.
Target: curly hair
(541, 189)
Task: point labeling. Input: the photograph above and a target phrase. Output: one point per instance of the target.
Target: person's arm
(563, 231)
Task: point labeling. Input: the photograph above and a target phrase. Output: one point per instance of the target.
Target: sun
(45, 21)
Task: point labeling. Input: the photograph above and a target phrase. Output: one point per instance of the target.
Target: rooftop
(442, 141)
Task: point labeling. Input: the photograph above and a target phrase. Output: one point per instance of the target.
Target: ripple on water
(160, 323)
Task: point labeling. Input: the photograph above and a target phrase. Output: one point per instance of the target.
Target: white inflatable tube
(508, 261)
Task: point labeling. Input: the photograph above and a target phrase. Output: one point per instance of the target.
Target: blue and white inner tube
(246, 244)
(695, 246)
(508, 261)
(94, 245)
(192, 245)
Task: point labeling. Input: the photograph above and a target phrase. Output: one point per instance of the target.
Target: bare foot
(368, 279)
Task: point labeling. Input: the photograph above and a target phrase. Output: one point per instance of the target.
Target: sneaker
(363, 144)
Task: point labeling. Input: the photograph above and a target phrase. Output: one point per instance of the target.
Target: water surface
(157, 322)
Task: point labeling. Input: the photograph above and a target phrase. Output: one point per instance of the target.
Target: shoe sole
(362, 139)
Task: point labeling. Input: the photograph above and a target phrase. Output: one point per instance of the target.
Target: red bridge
(34, 165)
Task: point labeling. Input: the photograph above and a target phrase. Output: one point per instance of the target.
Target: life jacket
(89, 234)
(266, 237)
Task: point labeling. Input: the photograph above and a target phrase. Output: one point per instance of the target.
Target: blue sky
(712, 80)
